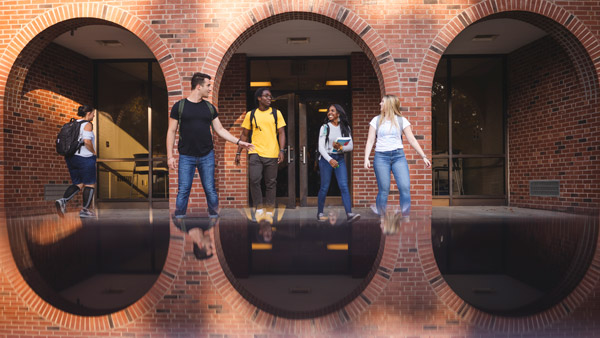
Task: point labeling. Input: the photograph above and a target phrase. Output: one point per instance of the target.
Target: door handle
(289, 154)
(303, 154)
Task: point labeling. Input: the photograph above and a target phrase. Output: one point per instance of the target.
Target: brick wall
(366, 96)
(56, 84)
(232, 180)
(552, 130)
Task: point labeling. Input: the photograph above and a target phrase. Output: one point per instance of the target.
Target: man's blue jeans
(392, 161)
(206, 169)
(341, 174)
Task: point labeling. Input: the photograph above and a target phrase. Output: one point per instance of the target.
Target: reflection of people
(201, 232)
(390, 222)
(195, 146)
(264, 127)
(265, 231)
(82, 167)
(388, 127)
(332, 159)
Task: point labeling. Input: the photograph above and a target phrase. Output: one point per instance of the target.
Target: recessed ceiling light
(260, 84)
(110, 43)
(336, 83)
(298, 41)
(485, 37)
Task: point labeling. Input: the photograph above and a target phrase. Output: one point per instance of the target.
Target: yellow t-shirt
(265, 136)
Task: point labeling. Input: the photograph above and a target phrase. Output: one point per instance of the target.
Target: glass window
(441, 185)
(128, 94)
(439, 109)
(477, 106)
(478, 176)
(122, 97)
(160, 112)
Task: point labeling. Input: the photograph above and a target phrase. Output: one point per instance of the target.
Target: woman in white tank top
(82, 167)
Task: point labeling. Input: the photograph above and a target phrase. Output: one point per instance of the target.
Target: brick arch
(584, 51)
(15, 61)
(563, 26)
(331, 14)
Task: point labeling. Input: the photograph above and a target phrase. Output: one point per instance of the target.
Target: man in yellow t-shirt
(267, 153)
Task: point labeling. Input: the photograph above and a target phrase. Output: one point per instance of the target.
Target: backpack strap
(80, 136)
(212, 113)
(181, 104)
(253, 117)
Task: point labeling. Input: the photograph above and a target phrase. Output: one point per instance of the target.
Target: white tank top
(85, 135)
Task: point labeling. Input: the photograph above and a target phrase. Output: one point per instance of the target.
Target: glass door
(286, 175)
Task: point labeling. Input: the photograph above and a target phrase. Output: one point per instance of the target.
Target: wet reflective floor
(500, 260)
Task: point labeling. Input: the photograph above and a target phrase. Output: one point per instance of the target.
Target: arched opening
(512, 100)
(92, 266)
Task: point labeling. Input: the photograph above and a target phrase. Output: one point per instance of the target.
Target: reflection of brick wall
(56, 84)
(551, 130)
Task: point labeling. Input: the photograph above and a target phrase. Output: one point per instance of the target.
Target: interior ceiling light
(110, 43)
(260, 84)
(298, 41)
(485, 37)
(324, 110)
(337, 83)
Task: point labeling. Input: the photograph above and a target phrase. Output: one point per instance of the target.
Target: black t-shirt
(194, 128)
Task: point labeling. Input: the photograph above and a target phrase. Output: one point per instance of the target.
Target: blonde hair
(390, 109)
(390, 222)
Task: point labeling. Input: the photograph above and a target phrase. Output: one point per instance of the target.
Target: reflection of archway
(15, 63)
(579, 45)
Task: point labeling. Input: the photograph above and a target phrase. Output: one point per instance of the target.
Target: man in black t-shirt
(196, 144)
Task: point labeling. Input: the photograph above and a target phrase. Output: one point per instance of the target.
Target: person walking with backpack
(264, 127)
(81, 165)
(388, 127)
(195, 116)
(336, 128)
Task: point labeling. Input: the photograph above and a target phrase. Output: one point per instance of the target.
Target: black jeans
(260, 167)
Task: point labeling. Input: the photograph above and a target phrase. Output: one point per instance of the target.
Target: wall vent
(545, 188)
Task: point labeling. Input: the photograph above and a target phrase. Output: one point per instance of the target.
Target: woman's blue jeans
(206, 169)
(341, 174)
(392, 161)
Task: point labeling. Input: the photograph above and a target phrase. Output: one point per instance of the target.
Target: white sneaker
(86, 213)
(61, 207)
(259, 215)
(374, 209)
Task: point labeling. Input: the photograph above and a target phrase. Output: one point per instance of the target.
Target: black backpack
(67, 140)
(252, 117)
